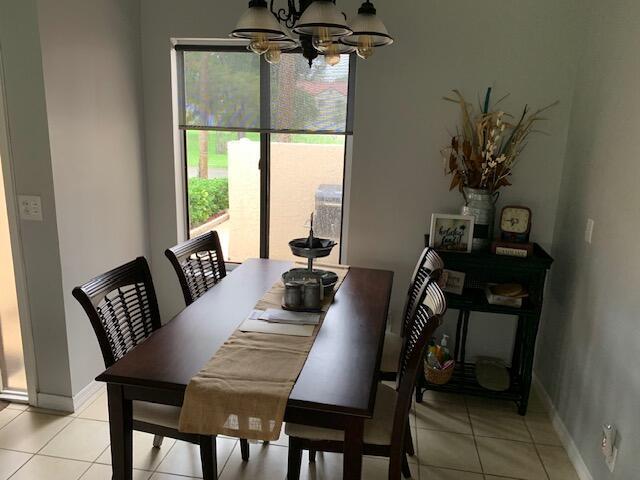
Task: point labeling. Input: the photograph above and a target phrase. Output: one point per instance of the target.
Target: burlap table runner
(243, 390)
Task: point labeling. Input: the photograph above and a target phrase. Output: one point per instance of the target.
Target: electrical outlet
(30, 207)
(588, 231)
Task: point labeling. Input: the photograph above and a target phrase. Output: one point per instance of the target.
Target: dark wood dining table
(336, 387)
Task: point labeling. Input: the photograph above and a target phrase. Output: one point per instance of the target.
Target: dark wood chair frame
(199, 265)
(424, 322)
(143, 318)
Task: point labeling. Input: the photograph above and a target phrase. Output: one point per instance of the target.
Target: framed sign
(453, 233)
(453, 281)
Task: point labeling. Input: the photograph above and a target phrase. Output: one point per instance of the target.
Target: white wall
(590, 344)
(525, 47)
(91, 60)
(29, 147)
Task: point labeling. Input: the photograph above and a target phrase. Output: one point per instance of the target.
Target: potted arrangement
(481, 157)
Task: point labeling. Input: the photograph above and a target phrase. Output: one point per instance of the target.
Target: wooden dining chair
(123, 309)
(429, 265)
(386, 433)
(199, 264)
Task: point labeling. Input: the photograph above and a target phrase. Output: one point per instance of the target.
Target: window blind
(237, 90)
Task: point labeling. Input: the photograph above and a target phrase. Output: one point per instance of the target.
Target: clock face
(515, 220)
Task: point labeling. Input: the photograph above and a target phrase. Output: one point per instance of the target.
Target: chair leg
(157, 441)
(312, 456)
(406, 471)
(244, 449)
(295, 460)
(208, 457)
(411, 451)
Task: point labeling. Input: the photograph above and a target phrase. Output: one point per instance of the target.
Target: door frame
(6, 161)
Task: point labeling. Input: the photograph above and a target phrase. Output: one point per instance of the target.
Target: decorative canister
(481, 205)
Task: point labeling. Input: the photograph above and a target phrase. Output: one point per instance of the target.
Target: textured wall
(590, 344)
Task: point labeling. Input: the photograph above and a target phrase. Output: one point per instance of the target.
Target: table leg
(465, 331)
(456, 354)
(121, 429)
(353, 446)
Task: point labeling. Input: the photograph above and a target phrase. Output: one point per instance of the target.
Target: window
(264, 147)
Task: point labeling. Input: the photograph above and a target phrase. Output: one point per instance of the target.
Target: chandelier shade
(368, 29)
(322, 18)
(258, 21)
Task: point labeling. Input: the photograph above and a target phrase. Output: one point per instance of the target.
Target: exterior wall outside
(297, 169)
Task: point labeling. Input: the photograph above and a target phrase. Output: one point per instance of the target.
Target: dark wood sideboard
(481, 268)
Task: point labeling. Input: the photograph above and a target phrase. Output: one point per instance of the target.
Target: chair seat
(377, 431)
(155, 414)
(391, 352)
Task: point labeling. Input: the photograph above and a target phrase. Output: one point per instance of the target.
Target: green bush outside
(207, 197)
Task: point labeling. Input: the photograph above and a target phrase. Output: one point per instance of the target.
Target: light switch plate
(30, 207)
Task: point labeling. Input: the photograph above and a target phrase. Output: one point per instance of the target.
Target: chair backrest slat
(427, 317)
(122, 307)
(199, 265)
(429, 265)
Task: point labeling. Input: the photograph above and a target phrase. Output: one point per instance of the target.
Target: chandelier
(317, 26)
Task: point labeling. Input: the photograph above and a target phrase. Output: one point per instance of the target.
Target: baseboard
(86, 394)
(564, 435)
(68, 404)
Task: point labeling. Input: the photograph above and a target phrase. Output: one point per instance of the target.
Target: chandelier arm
(287, 17)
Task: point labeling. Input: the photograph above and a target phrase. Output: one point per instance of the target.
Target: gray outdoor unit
(328, 215)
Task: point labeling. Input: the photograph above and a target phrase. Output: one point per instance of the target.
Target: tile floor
(455, 438)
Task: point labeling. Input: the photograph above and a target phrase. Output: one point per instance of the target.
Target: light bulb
(321, 39)
(332, 55)
(273, 55)
(259, 44)
(365, 46)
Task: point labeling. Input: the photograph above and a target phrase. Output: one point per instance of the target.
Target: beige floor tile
(484, 406)
(18, 406)
(50, 468)
(145, 457)
(510, 459)
(443, 419)
(541, 428)
(268, 461)
(103, 472)
(98, 409)
(500, 426)
(184, 458)
(31, 431)
(7, 415)
(168, 476)
(433, 473)
(11, 461)
(448, 450)
(442, 400)
(491, 477)
(82, 439)
(557, 463)
(329, 466)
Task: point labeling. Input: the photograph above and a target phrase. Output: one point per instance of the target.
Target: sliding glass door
(264, 148)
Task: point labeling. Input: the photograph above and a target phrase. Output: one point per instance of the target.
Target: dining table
(335, 389)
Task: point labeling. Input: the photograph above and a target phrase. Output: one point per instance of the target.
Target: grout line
(475, 441)
(544, 467)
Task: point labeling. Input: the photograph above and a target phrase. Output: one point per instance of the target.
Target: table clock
(515, 227)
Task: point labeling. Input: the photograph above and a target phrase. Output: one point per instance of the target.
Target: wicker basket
(436, 376)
